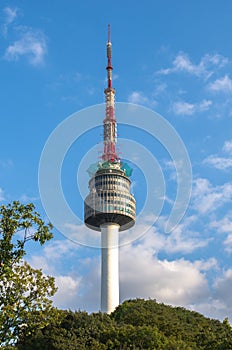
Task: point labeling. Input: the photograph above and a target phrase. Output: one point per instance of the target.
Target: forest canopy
(136, 324)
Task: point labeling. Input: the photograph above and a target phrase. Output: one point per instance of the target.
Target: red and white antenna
(109, 57)
(110, 124)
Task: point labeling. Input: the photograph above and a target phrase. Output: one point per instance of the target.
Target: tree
(24, 291)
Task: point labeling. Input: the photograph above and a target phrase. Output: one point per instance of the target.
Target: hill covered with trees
(136, 324)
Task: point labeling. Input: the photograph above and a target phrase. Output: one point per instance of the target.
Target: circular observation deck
(110, 200)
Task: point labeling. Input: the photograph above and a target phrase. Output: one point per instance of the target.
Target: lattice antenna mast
(110, 124)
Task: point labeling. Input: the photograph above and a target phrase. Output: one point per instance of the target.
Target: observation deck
(110, 199)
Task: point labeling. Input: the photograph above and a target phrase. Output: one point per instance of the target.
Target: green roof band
(93, 168)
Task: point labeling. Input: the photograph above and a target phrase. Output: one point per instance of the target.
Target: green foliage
(24, 291)
(136, 324)
(15, 218)
(177, 324)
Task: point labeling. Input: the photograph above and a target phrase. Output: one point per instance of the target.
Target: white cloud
(25, 198)
(159, 89)
(31, 44)
(41, 262)
(53, 253)
(222, 286)
(206, 265)
(228, 243)
(67, 294)
(208, 198)
(227, 147)
(182, 63)
(215, 59)
(204, 105)
(221, 85)
(10, 15)
(219, 162)
(185, 108)
(224, 226)
(214, 308)
(2, 197)
(77, 277)
(82, 235)
(183, 239)
(170, 166)
(143, 275)
(137, 97)
(90, 287)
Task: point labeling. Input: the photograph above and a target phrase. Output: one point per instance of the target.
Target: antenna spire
(110, 125)
(108, 33)
(109, 59)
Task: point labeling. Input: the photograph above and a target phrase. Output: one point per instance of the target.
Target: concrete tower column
(109, 267)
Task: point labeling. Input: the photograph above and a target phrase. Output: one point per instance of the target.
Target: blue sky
(171, 57)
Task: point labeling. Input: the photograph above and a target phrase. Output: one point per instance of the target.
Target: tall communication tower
(109, 206)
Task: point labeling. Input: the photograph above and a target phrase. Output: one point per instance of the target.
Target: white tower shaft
(109, 267)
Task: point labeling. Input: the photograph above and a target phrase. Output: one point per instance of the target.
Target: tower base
(109, 267)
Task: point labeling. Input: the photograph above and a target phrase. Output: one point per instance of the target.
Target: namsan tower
(109, 206)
